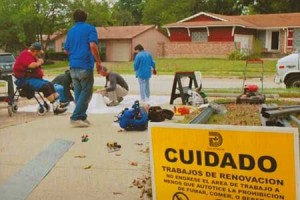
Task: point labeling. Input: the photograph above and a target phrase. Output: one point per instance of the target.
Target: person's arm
(152, 62)
(95, 52)
(136, 63)
(153, 65)
(36, 64)
(93, 41)
(66, 46)
(112, 83)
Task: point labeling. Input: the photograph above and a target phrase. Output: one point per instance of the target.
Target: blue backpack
(133, 119)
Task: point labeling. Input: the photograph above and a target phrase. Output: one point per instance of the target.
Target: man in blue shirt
(143, 64)
(81, 46)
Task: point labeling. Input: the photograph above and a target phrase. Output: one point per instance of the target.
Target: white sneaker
(87, 122)
(79, 124)
(113, 103)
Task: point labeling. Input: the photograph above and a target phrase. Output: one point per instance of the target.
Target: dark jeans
(83, 81)
(37, 84)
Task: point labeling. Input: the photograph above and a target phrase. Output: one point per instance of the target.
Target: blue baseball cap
(36, 46)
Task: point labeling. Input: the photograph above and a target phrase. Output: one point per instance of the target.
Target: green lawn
(208, 66)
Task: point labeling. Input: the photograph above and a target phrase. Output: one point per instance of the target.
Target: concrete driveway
(111, 175)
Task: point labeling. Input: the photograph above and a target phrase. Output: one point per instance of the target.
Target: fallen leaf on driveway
(117, 193)
(88, 167)
(133, 163)
(139, 144)
(145, 150)
(80, 156)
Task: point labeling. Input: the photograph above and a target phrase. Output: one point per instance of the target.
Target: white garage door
(120, 51)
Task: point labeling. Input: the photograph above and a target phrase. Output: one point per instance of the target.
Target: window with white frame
(199, 37)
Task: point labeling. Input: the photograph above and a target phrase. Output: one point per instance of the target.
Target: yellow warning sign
(224, 162)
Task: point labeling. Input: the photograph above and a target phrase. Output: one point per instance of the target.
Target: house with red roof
(213, 35)
(117, 43)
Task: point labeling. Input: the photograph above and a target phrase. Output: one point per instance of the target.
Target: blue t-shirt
(143, 63)
(78, 45)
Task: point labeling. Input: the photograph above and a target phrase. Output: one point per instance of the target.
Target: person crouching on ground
(28, 71)
(143, 63)
(115, 87)
(63, 85)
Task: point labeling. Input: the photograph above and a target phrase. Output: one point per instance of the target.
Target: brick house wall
(150, 41)
(282, 41)
(296, 39)
(196, 50)
(160, 50)
(59, 42)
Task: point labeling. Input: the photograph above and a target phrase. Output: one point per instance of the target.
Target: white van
(288, 70)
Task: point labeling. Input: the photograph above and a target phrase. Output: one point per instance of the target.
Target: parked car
(7, 61)
(288, 70)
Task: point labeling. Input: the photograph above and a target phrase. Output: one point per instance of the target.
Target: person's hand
(154, 71)
(98, 67)
(39, 62)
(98, 91)
(101, 91)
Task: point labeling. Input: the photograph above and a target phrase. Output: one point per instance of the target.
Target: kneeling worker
(63, 86)
(115, 87)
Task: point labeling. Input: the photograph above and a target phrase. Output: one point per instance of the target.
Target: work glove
(154, 71)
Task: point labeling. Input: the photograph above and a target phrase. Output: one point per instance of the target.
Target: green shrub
(49, 62)
(236, 55)
(256, 51)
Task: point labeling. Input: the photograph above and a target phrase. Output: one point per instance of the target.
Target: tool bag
(157, 114)
(24, 89)
(133, 119)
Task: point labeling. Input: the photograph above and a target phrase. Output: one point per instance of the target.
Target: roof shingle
(260, 21)
(121, 32)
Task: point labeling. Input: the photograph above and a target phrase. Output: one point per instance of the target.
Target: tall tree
(25, 21)
(164, 11)
(275, 6)
(13, 21)
(225, 7)
(50, 17)
(98, 11)
(128, 12)
(160, 12)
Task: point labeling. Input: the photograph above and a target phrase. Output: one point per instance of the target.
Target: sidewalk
(162, 84)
